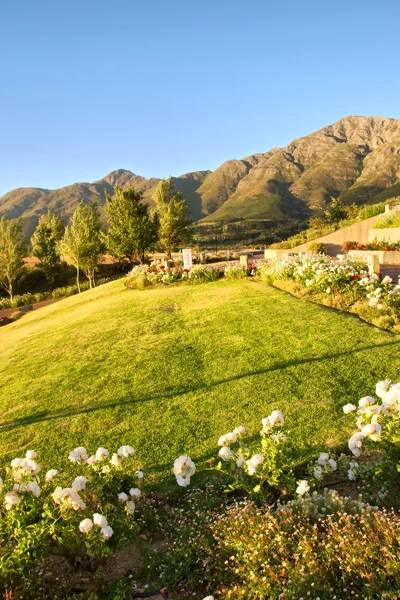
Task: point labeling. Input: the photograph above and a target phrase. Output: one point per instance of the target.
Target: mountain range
(357, 158)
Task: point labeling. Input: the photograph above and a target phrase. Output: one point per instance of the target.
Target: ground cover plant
(168, 369)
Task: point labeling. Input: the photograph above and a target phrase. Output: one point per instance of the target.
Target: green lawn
(169, 370)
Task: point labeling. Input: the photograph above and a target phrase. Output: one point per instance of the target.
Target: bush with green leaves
(235, 272)
(388, 220)
(82, 519)
(317, 247)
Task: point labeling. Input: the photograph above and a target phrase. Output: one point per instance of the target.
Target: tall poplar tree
(82, 245)
(13, 249)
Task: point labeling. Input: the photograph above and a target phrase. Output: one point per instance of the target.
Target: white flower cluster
(275, 419)
(326, 275)
(302, 487)
(134, 493)
(80, 455)
(378, 291)
(370, 414)
(184, 468)
(226, 440)
(23, 472)
(324, 465)
(100, 521)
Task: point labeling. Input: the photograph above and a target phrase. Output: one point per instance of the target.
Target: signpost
(187, 258)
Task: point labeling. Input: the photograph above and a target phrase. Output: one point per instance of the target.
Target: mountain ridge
(357, 158)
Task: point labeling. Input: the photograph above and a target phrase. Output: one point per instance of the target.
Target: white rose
(366, 401)
(79, 483)
(225, 453)
(332, 464)
(11, 499)
(123, 497)
(373, 430)
(86, 525)
(355, 443)
(240, 461)
(277, 417)
(302, 487)
(239, 430)
(257, 459)
(348, 408)
(126, 451)
(101, 453)
(139, 474)
(99, 520)
(323, 457)
(31, 454)
(135, 492)
(35, 489)
(91, 460)
(183, 481)
(106, 532)
(115, 460)
(50, 475)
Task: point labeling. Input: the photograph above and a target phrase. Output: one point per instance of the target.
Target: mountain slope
(357, 158)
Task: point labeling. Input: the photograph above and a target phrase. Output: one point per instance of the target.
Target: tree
(45, 241)
(335, 212)
(13, 249)
(175, 224)
(81, 244)
(132, 230)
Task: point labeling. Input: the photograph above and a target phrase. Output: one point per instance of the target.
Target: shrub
(388, 220)
(317, 247)
(350, 246)
(235, 272)
(77, 520)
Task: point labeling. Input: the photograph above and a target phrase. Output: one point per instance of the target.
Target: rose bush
(41, 511)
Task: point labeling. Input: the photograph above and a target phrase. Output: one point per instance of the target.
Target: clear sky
(166, 87)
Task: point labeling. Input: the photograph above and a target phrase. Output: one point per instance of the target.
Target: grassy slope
(168, 370)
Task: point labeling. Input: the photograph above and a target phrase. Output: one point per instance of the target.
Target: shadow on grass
(43, 416)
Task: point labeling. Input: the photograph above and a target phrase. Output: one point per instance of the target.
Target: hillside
(357, 158)
(167, 370)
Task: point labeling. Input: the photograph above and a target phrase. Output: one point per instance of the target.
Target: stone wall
(390, 234)
(359, 232)
(385, 258)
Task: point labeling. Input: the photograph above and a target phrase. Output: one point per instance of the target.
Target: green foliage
(45, 242)
(336, 211)
(82, 245)
(77, 513)
(317, 247)
(132, 230)
(389, 220)
(175, 225)
(13, 249)
(235, 272)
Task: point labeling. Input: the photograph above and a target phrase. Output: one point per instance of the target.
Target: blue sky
(163, 88)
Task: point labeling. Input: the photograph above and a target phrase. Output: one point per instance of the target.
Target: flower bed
(343, 284)
(144, 276)
(380, 245)
(307, 541)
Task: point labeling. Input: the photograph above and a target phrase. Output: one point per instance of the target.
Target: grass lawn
(169, 370)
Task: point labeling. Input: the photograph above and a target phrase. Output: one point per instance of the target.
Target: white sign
(187, 258)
